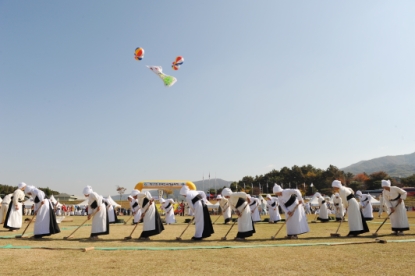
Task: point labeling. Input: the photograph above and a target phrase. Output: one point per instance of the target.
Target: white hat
(162, 200)
(87, 190)
(336, 194)
(184, 190)
(21, 185)
(130, 197)
(277, 188)
(226, 192)
(386, 183)
(29, 189)
(336, 184)
(359, 193)
(218, 197)
(134, 192)
(317, 194)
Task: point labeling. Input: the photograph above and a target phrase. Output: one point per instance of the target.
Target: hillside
(398, 166)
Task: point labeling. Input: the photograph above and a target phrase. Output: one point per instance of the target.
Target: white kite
(168, 80)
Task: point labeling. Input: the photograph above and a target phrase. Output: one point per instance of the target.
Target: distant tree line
(309, 180)
(7, 189)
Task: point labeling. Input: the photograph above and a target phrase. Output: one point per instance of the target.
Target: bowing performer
(274, 213)
(338, 207)
(168, 207)
(240, 204)
(135, 207)
(4, 207)
(45, 224)
(253, 205)
(152, 224)
(323, 214)
(357, 224)
(112, 216)
(98, 212)
(13, 220)
(290, 201)
(203, 223)
(394, 198)
(367, 209)
(226, 209)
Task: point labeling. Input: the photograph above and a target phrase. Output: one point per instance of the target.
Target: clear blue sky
(265, 84)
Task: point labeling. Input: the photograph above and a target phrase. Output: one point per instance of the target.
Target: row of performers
(288, 199)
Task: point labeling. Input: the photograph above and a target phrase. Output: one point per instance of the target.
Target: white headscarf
(184, 190)
(336, 184)
(386, 183)
(359, 193)
(21, 185)
(226, 192)
(134, 192)
(87, 190)
(162, 200)
(277, 188)
(218, 197)
(269, 196)
(29, 189)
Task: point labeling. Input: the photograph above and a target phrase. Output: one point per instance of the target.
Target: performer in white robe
(307, 208)
(135, 207)
(240, 204)
(274, 213)
(359, 195)
(168, 207)
(13, 220)
(4, 207)
(357, 224)
(323, 214)
(98, 212)
(203, 223)
(226, 208)
(45, 224)
(112, 216)
(152, 224)
(296, 220)
(367, 209)
(394, 198)
(253, 205)
(338, 207)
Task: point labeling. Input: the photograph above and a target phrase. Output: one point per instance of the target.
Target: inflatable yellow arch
(164, 185)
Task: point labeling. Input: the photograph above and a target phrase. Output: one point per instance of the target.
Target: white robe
(168, 208)
(274, 213)
(338, 207)
(226, 209)
(4, 207)
(100, 223)
(203, 223)
(323, 215)
(382, 206)
(239, 202)
(45, 224)
(296, 224)
(367, 209)
(136, 210)
(14, 217)
(357, 225)
(152, 224)
(254, 210)
(399, 219)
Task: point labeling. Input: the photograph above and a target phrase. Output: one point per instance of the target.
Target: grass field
(312, 254)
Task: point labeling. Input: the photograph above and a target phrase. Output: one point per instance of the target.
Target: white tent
(83, 203)
(314, 201)
(112, 202)
(374, 201)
